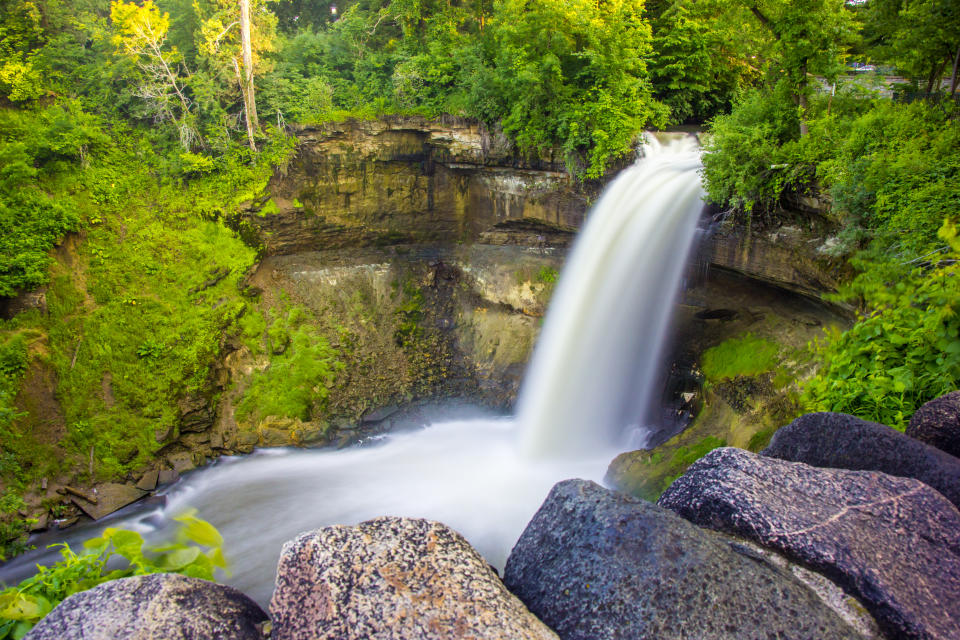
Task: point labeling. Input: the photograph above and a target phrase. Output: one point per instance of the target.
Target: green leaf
(199, 531)
(179, 558)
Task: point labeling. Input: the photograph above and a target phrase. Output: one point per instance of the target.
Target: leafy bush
(745, 164)
(747, 355)
(901, 353)
(21, 607)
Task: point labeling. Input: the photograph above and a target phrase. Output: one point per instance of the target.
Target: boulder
(182, 461)
(109, 497)
(595, 564)
(842, 441)
(167, 476)
(148, 481)
(393, 578)
(161, 606)
(892, 542)
(938, 423)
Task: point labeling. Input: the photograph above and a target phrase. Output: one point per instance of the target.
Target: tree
(21, 35)
(246, 85)
(140, 33)
(233, 37)
(581, 84)
(809, 38)
(704, 53)
(921, 37)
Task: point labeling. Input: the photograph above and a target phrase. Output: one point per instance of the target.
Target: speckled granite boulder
(841, 441)
(162, 606)
(596, 565)
(393, 578)
(938, 423)
(892, 542)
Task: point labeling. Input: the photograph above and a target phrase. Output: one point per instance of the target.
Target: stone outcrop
(393, 578)
(107, 498)
(408, 179)
(161, 606)
(938, 423)
(595, 564)
(892, 542)
(843, 441)
(787, 257)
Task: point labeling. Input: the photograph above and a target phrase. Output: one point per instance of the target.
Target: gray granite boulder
(161, 606)
(841, 441)
(393, 578)
(892, 542)
(938, 423)
(595, 565)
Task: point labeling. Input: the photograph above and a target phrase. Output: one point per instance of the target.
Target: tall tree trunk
(953, 78)
(249, 102)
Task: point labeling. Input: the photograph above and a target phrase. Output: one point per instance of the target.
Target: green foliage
(746, 160)
(21, 607)
(747, 355)
(703, 53)
(581, 85)
(896, 171)
(34, 148)
(296, 383)
(893, 170)
(903, 352)
(132, 324)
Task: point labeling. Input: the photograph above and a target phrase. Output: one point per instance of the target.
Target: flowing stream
(483, 475)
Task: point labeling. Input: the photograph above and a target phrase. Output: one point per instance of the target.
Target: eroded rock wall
(409, 179)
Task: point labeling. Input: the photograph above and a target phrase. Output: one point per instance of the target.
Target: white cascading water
(614, 298)
(593, 369)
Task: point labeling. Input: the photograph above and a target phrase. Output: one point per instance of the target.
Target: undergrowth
(137, 303)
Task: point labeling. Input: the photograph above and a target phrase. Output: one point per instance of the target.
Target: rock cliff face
(409, 179)
(401, 180)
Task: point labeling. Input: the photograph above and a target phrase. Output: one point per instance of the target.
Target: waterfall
(594, 367)
(591, 376)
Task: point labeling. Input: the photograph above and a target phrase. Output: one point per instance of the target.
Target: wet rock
(109, 497)
(892, 542)
(595, 564)
(380, 414)
(42, 522)
(182, 461)
(277, 432)
(167, 476)
(148, 481)
(842, 441)
(938, 423)
(161, 606)
(392, 578)
(246, 441)
(195, 413)
(312, 434)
